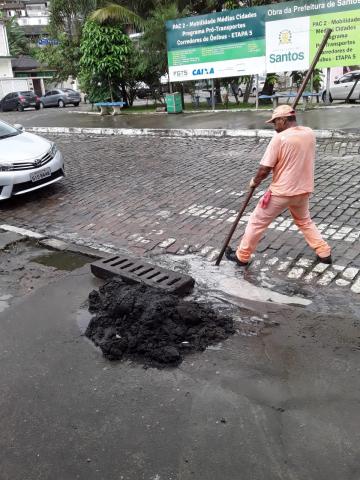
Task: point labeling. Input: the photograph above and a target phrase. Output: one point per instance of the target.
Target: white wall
(8, 85)
(5, 67)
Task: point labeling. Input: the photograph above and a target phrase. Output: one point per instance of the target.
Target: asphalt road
(279, 405)
(335, 117)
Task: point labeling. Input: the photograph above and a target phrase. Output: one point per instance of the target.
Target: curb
(182, 132)
(59, 244)
(293, 269)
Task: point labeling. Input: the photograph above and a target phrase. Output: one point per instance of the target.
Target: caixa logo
(203, 71)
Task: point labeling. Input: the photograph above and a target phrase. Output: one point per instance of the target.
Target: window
(346, 78)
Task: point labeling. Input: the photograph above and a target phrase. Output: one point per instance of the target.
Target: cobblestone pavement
(152, 195)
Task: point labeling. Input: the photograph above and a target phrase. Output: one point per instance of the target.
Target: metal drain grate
(137, 271)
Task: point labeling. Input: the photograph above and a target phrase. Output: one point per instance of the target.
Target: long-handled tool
(294, 104)
(234, 225)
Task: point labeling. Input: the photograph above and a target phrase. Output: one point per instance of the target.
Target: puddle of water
(83, 318)
(63, 260)
(4, 304)
(226, 282)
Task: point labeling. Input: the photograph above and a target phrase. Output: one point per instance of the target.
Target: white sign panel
(287, 45)
(225, 68)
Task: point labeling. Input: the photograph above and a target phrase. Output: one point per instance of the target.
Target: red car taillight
(22, 99)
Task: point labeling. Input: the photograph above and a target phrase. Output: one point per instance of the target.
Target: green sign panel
(272, 38)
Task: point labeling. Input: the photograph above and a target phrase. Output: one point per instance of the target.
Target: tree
(18, 44)
(68, 16)
(153, 61)
(63, 58)
(116, 14)
(104, 51)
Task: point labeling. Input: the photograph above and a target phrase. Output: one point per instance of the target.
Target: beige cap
(282, 111)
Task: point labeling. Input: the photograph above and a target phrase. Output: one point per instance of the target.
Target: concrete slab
(54, 243)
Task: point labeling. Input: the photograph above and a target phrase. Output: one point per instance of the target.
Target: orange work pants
(261, 218)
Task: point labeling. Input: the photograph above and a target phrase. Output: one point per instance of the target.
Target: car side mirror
(336, 81)
(18, 127)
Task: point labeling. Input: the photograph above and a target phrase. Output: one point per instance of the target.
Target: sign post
(212, 94)
(327, 92)
(257, 92)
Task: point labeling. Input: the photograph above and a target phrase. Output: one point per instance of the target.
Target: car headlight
(53, 149)
(6, 167)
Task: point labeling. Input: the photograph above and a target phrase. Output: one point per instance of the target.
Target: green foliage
(114, 14)
(104, 53)
(63, 58)
(299, 75)
(68, 16)
(18, 44)
(153, 50)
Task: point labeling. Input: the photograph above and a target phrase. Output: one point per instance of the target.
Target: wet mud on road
(149, 325)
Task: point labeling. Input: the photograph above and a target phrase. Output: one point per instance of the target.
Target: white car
(27, 162)
(342, 87)
(242, 86)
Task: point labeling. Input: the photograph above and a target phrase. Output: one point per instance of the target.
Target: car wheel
(76, 104)
(61, 104)
(20, 108)
(324, 97)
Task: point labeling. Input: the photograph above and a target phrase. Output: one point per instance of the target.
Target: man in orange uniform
(290, 157)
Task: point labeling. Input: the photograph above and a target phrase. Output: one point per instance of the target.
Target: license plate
(36, 176)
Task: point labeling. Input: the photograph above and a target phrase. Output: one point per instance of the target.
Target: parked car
(242, 86)
(19, 101)
(143, 90)
(27, 161)
(342, 87)
(60, 98)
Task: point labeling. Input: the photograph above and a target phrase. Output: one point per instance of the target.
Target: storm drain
(137, 271)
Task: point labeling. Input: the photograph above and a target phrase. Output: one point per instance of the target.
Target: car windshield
(27, 94)
(7, 130)
(69, 90)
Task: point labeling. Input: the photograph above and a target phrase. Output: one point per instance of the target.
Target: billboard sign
(272, 38)
(225, 44)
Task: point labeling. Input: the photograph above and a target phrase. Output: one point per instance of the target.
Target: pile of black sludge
(138, 322)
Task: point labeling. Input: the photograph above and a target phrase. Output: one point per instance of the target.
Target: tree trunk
(268, 88)
(248, 89)
(182, 95)
(110, 90)
(235, 92)
(125, 97)
(217, 91)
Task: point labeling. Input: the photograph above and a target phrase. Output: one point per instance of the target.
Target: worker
(290, 158)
